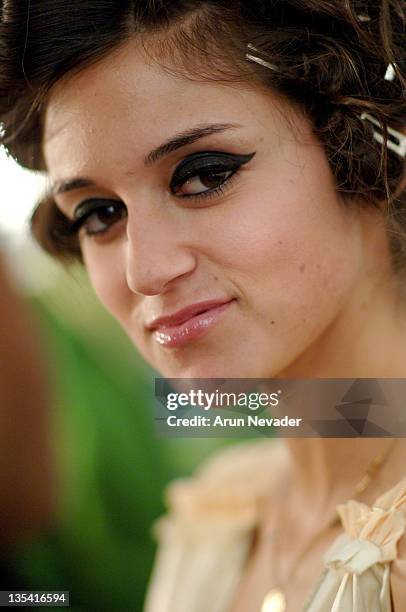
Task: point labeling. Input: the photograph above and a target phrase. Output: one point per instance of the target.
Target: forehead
(127, 104)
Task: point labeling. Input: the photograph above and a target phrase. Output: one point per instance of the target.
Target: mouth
(188, 324)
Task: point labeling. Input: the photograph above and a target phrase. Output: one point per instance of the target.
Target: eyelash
(214, 191)
(235, 162)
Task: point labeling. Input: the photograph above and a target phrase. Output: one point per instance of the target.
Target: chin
(212, 368)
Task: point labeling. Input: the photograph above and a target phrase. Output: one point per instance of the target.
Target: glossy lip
(187, 324)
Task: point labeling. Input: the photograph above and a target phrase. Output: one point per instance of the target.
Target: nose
(155, 255)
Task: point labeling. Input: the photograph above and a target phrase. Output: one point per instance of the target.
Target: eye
(205, 181)
(97, 216)
(205, 173)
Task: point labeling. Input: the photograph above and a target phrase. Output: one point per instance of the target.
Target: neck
(327, 470)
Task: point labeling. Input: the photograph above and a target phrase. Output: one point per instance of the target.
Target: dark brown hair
(331, 57)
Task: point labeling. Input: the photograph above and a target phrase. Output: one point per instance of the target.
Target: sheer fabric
(205, 539)
(357, 577)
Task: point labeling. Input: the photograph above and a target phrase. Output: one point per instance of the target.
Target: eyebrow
(71, 184)
(186, 138)
(178, 141)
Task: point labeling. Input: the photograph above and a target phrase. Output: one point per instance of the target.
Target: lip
(187, 324)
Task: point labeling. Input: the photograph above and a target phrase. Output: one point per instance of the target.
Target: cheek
(289, 237)
(294, 258)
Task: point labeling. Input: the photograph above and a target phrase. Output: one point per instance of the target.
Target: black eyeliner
(205, 161)
(85, 209)
(91, 205)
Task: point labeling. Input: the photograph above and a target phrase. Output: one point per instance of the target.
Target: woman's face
(225, 253)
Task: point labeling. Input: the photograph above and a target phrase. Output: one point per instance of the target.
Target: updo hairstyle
(332, 58)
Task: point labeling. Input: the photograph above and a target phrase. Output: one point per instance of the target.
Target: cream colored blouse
(205, 538)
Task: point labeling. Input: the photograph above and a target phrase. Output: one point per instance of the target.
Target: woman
(231, 175)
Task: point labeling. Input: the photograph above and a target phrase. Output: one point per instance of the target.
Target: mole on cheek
(302, 268)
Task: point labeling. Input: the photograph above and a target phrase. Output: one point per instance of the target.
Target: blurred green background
(111, 468)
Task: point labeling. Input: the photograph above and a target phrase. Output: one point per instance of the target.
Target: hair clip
(259, 60)
(363, 18)
(396, 141)
(390, 73)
